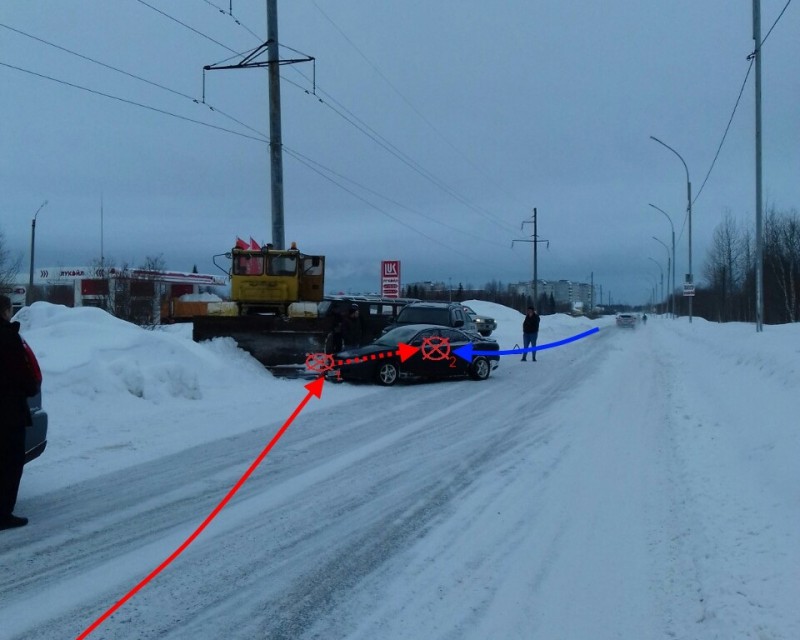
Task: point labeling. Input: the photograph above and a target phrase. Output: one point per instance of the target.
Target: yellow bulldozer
(270, 281)
(273, 313)
(278, 311)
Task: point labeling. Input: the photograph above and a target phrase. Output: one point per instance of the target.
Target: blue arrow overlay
(467, 352)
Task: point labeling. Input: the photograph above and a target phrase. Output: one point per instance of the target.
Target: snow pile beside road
(734, 403)
(118, 394)
(87, 352)
(552, 328)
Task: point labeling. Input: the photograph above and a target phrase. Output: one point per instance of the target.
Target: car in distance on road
(381, 362)
(626, 320)
(484, 324)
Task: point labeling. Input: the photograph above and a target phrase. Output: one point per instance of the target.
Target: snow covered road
(592, 494)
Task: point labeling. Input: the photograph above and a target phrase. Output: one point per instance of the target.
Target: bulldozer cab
(268, 280)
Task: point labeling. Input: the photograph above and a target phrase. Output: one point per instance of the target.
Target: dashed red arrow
(404, 351)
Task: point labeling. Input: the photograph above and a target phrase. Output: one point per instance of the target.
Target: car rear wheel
(387, 374)
(480, 369)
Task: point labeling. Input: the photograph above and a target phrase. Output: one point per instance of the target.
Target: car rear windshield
(411, 315)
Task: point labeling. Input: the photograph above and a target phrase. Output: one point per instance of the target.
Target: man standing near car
(353, 329)
(17, 384)
(530, 332)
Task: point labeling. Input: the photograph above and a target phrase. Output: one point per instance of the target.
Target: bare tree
(9, 266)
(725, 267)
(782, 254)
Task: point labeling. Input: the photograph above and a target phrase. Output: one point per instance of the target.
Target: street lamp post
(29, 292)
(658, 264)
(689, 276)
(669, 262)
(674, 264)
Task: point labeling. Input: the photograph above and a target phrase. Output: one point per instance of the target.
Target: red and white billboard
(390, 278)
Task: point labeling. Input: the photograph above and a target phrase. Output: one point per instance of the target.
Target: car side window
(422, 335)
(454, 336)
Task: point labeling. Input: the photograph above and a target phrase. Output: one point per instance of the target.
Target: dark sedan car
(385, 361)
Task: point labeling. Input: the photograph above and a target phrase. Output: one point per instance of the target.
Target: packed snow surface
(638, 484)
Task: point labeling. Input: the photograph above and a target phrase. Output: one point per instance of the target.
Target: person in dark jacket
(17, 384)
(530, 332)
(352, 329)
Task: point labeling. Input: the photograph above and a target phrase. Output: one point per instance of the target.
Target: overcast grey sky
(494, 107)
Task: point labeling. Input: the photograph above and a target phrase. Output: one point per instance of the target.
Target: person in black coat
(530, 332)
(353, 328)
(17, 383)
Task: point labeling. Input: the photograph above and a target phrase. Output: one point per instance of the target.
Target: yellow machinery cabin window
(248, 265)
(282, 266)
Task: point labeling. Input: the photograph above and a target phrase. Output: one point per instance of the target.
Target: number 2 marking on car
(452, 362)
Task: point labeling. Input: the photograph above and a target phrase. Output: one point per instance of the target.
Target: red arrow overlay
(405, 351)
(314, 389)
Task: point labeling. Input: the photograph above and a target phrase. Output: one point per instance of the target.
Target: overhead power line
(376, 207)
(751, 57)
(352, 119)
(132, 102)
(324, 98)
(262, 138)
(229, 13)
(183, 24)
(132, 75)
(394, 88)
(780, 15)
(725, 134)
(308, 161)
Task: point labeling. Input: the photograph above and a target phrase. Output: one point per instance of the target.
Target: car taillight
(33, 363)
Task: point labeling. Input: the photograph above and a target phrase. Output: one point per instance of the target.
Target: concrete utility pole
(273, 62)
(759, 212)
(29, 292)
(275, 142)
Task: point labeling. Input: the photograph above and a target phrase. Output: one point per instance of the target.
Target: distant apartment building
(564, 292)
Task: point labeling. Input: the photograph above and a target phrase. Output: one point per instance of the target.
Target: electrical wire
(377, 208)
(199, 33)
(751, 57)
(370, 132)
(348, 116)
(134, 76)
(299, 157)
(780, 15)
(308, 161)
(261, 136)
(725, 134)
(229, 13)
(132, 102)
(394, 88)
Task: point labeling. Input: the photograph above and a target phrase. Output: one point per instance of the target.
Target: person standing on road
(17, 384)
(353, 332)
(530, 332)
